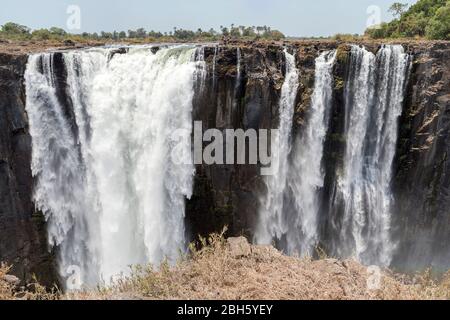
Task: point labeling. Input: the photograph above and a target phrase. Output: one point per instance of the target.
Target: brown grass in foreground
(10, 288)
(234, 270)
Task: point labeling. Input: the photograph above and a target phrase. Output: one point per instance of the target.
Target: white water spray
(112, 191)
(306, 175)
(374, 98)
(272, 224)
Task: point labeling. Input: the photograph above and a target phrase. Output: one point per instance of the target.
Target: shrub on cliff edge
(426, 18)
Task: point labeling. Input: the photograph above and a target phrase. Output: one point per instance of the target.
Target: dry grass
(9, 290)
(235, 270)
(6, 288)
(221, 270)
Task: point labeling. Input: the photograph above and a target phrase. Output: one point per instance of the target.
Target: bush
(429, 18)
(41, 34)
(15, 31)
(345, 37)
(439, 26)
(378, 32)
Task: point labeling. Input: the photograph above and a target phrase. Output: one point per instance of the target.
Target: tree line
(16, 31)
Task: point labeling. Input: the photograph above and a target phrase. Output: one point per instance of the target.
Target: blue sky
(293, 17)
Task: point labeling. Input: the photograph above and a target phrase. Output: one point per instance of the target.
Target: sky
(292, 17)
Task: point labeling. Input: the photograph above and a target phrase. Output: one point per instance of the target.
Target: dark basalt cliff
(422, 181)
(227, 195)
(22, 231)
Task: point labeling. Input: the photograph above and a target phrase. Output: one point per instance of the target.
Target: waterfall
(237, 86)
(214, 62)
(201, 71)
(272, 224)
(373, 102)
(289, 214)
(112, 180)
(306, 176)
(59, 170)
(111, 155)
(238, 66)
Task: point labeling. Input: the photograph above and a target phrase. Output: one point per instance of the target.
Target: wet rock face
(22, 233)
(422, 179)
(226, 195)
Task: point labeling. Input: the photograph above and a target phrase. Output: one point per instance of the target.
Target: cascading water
(201, 69)
(306, 176)
(272, 224)
(373, 99)
(238, 66)
(358, 92)
(237, 86)
(292, 205)
(214, 63)
(113, 188)
(107, 164)
(290, 213)
(58, 166)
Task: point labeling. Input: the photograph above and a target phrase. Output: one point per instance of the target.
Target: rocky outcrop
(423, 178)
(22, 231)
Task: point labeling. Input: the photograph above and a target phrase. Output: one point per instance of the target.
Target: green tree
(397, 9)
(132, 34)
(141, 33)
(41, 34)
(424, 18)
(106, 35)
(58, 31)
(225, 31)
(439, 25)
(12, 28)
(275, 35)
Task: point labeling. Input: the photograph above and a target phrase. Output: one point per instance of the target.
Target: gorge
(91, 177)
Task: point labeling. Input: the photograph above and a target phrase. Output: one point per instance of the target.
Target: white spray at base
(306, 174)
(373, 99)
(108, 180)
(360, 208)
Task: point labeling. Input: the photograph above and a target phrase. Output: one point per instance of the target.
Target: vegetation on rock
(426, 18)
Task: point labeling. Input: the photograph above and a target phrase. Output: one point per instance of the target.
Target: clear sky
(292, 17)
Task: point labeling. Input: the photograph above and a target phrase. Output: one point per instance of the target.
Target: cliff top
(27, 47)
